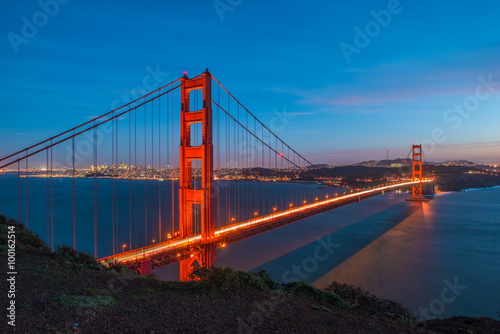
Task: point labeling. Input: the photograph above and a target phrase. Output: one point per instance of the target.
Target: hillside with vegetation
(69, 292)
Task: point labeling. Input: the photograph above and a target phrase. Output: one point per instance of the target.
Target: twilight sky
(356, 77)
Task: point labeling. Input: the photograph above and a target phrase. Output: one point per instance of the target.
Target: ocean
(440, 258)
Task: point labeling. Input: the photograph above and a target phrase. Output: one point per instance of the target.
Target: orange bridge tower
(188, 195)
(417, 172)
(190, 198)
(416, 167)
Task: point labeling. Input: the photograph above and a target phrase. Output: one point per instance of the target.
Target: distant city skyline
(342, 82)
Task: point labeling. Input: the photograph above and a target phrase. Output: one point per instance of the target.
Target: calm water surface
(440, 258)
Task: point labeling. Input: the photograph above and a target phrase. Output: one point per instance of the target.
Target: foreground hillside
(68, 292)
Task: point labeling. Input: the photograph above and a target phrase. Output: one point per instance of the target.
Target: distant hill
(318, 166)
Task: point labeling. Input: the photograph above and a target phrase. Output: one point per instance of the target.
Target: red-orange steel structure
(189, 197)
(417, 172)
(204, 197)
(204, 258)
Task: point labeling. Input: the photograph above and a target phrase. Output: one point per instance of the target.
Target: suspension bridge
(172, 193)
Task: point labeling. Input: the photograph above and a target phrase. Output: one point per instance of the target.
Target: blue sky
(404, 83)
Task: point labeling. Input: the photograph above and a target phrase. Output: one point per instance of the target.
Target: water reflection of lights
(401, 250)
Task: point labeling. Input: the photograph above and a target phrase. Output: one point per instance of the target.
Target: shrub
(267, 280)
(12, 222)
(65, 253)
(23, 236)
(200, 273)
(75, 259)
(87, 259)
(113, 264)
(31, 239)
(308, 291)
(217, 279)
(361, 299)
(3, 235)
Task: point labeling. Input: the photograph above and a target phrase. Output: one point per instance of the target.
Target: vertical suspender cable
(246, 165)
(237, 153)
(256, 145)
(159, 168)
(51, 198)
(283, 184)
(129, 179)
(172, 164)
(264, 166)
(117, 164)
(275, 172)
(74, 213)
(95, 192)
(228, 158)
(27, 192)
(48, 207)
(18, 192)
(135, 175)
(113, 181)
(218, 160)
(168, 160)
(152, 170)
(145, 180)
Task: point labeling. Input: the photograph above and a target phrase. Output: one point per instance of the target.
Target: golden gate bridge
(145, 212)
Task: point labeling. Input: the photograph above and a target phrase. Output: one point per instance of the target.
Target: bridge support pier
(205, 258)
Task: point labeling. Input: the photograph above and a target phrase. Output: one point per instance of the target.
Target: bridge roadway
(175, 250)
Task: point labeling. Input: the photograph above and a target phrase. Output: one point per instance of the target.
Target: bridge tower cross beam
(189, 196)
(417, 171)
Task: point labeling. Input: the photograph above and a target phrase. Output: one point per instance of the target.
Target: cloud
(366, 97)
(405, 81)
(341, 110)
(473, 145)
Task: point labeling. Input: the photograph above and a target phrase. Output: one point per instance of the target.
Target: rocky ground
(68, 292)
